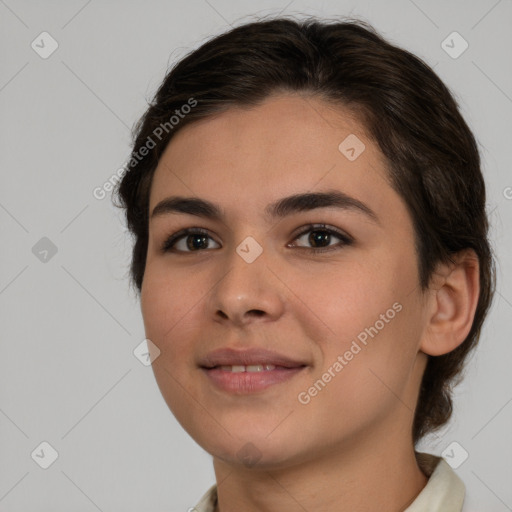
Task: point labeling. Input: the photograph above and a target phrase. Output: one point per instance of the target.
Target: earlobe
(452, 304)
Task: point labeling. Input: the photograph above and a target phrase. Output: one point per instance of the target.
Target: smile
(248, 370)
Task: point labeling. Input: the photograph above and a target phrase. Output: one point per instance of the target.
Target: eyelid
(322, 227)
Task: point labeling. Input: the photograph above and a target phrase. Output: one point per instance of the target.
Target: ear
(453, 297)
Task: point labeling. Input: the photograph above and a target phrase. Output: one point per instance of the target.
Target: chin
(253, 452)
(254, 456)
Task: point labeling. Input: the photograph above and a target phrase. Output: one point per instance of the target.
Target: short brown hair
(432, 156)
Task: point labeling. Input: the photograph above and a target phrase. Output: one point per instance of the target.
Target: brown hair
(432, 156)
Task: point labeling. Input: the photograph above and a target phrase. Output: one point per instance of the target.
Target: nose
(247, 292)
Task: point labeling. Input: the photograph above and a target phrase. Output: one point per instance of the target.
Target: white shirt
(444, 491)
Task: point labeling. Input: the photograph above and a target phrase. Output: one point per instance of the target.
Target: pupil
(324, 236)
(201, 245)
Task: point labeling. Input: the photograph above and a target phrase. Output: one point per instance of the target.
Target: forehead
(286, 145)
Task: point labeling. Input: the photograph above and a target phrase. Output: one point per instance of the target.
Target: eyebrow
(278, 209)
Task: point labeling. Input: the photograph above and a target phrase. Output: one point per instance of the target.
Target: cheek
(374, 319)
(372, 375)
(381, 354)
(167, 306)
(350, 295)
(167, 312)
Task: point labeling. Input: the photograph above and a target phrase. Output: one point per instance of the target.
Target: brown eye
(320, 237)
(194, 240)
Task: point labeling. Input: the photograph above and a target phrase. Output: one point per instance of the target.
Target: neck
(374, 474)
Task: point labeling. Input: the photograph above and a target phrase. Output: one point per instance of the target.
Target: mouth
(239, 368)
(248, 371)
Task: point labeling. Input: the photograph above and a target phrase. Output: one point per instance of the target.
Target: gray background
(70, 324)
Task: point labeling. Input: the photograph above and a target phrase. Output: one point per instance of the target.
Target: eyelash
(169, 243)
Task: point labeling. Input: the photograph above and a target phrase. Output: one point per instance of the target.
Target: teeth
(254, 368)
(249, 368)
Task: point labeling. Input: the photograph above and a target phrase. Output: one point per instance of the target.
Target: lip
(246, 357)
(244, 383)
(241, 383)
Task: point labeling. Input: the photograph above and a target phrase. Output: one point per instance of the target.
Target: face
(330, 286)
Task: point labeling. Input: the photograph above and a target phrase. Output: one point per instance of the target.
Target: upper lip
(246, 357)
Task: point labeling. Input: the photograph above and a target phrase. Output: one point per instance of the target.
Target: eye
(197, 239)
(321, 234)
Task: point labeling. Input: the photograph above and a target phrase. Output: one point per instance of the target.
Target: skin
(350, 448)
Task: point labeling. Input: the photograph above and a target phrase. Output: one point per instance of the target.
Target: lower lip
(242, 383)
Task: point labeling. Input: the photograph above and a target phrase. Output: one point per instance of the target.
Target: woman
(313, 265)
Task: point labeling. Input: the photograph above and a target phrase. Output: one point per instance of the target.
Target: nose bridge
(247, 285)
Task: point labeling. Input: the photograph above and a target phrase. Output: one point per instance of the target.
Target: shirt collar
(444, 491)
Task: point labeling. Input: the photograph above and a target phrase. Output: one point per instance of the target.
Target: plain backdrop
(70, 323)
